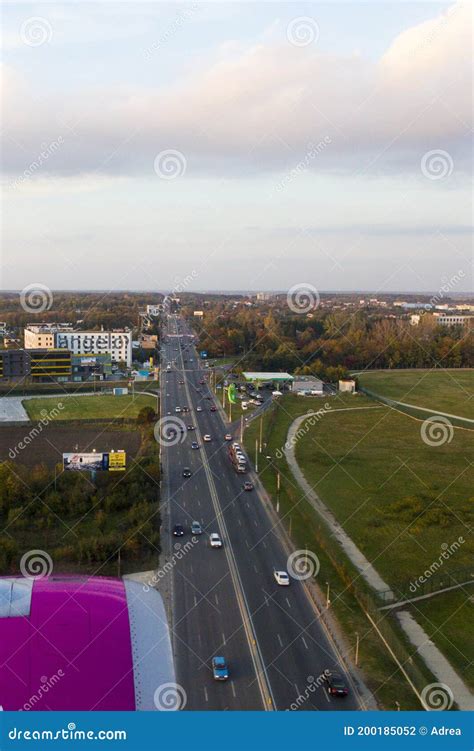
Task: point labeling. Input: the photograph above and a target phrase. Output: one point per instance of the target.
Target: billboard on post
(96, 461)
(117, 461)
(84, 461)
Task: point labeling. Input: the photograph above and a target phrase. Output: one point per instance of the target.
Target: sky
(236, 145)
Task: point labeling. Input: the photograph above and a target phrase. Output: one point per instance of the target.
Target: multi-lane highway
(226, 601)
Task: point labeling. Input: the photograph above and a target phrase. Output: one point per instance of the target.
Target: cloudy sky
(236, 145)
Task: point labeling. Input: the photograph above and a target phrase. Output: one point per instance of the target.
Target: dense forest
(330, 343)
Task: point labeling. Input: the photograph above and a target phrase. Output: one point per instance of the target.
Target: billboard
(117, 461)
(96, 461)
(88, 462)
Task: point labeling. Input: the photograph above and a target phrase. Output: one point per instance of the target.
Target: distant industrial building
(455, 320)
(307, 386)
(58, 336)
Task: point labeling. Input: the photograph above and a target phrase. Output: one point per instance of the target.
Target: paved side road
(12, 409)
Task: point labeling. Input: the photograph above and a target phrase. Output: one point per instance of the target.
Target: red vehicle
(213, 409)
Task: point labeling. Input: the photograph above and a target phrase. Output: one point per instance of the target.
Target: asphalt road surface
(226, 601)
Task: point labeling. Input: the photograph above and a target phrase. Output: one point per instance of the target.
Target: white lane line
(195, 601)
(264, 543)
(288, 602)
(233, 689)
(297, 689)
(240, 522)
(326, 696)
(279, 640)
(304, 642)
(255, 522)
(205, 694)
(216, 599)
(255, 568)
(223, 639)
(247, 505)
(199, 502)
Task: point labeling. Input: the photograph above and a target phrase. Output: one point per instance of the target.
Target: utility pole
(357, 650)
(241, 428)
(256, 455)
(328, 601)
(261, 432)
(278, 492)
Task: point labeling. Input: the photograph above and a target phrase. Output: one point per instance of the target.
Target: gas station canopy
(267, 376)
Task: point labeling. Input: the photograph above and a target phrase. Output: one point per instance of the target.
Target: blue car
(219, 669)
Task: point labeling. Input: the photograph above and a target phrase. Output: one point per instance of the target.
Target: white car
(215, 541)
(282, 578)
(207, 438)
(198, 409)
(177, 409)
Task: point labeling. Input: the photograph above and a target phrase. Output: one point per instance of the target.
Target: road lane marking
(233, 689)
(223, 639)
(195, 601)
(304, 642)
(288, 602)
(279, 640)
(216, 599)
(205, 694)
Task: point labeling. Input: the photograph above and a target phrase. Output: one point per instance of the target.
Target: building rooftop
(264, 376)
(77, 643)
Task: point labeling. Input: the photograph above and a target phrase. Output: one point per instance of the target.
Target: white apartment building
(47, 336)
(455, 320)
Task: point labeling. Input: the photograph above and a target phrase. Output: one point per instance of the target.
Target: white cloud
(258, 109)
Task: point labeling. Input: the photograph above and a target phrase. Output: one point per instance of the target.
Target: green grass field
(88, 407)
(450, 391)
(397, 497)
(447, 619)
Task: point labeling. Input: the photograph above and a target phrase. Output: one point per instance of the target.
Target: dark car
(191, 427)
(187, 472)
(335, 684)
(185, 409)
(178, 530)
(195, 445)
(213, 408)
(247, 485)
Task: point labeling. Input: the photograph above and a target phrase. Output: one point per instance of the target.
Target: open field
(97, 406)
(397, 497)
(447, 619)
(19, 444)
(450, 391)
(306, 531)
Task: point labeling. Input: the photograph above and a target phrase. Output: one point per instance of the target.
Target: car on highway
(195, 445)
(207, 438)
(202, 381)
(335, 684)
(196, 528)
(177, 409)
(215, 540)
(185, 409)
(181, 383)
(227, 437)
(213, 408)
(220, 671)
(198, 409)
(187, 472)
(178, 530)
(282, 578)
(247, 485)
(191, 427)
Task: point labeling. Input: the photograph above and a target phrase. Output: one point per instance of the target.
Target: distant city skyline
(242, 145)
